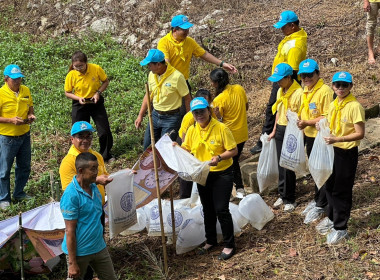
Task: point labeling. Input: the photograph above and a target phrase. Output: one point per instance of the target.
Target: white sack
(293, 150)
(139, 226)
(267, 168)
(254, 208)
(187, 166)
(237, 217)
(190, 236)
(321, 159)
(121, 202)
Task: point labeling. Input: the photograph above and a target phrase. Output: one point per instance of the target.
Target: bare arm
(187, 102)
(223, 156)
(212, 59)
(304, 123)
(273, 133)
(102, 88)
(357, 135)
(72, 96)
(366, 6)
(71, 242)
(143, 109)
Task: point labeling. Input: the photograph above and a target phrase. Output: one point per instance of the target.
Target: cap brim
(198, 107)
(186, 25)
(16, 76)
(275, 78)
(279, 24)
(305, 71)
(342, 80)
(144, 62)
(85, 130)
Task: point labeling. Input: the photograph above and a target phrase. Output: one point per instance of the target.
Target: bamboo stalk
(157, 180)
(21, 245)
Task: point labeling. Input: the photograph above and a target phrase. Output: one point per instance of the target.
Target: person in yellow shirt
(316, 99)
(230, 106)
(371, 7)
(16, 115)
(167, 87)
(291, 50)
(288, 97)
(85, 84)
(210, 140)
(346, 120)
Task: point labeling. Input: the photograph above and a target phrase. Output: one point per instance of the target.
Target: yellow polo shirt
(217, 138)
(351, 114)
(318, 106)
(67, 169)
(85, 85)
(292, 50)
(232, 107)
(187, 121)
(180, 62)
(171, 91)
(294, 102)
(12, 106)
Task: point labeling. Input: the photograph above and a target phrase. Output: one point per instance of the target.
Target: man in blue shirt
(81, 207)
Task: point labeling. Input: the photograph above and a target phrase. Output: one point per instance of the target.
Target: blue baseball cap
(285, 18)
(153, 55)
(81, 126)
(281, 71)
(13, 71)
(308, 66)
(181, 21)
(342, 77)
(198, 103)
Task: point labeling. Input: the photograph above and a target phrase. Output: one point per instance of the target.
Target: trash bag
(197, 215)
(293, 150)
(121, 202)
(237, 216)
(139, 226)
(254, 208)
(190, 236)
(267, 168)
(321, 159)
(187, 166)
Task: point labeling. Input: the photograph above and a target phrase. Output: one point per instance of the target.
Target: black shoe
(224, 256)
(256, 149)
(203, 251)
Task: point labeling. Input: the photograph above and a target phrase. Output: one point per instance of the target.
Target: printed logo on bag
(154, 213)
(291, 143)
(306, 64)
(126, 201)
(342, 75)
(178, 219)
(185, 223)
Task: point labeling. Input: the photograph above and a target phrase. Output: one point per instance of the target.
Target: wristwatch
(219, 158)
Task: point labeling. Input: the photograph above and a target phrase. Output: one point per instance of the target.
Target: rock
(334, 61)
(142, 44)
(185, 3)
(248, 175)
(44, 21)
(372, 135)
(131, 40)
(372, 112)
(57, 6)
(104, 25)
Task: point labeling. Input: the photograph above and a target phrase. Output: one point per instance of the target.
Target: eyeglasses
(83, 136)
(341, 84)
(79, 67)
(307, 75)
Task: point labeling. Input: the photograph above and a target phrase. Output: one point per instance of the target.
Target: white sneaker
(278, 202)
(310, 206)
(325, 226)
(289, 207)
(4, 205)
(240, 193)
(336, 236)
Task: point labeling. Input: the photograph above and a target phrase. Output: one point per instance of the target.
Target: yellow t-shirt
(187, 121)
(351, 114)
(318, 106)
(67, 169)
(294, 102)
(292, 50)
(218, 139)
(85, 85)
(190, 49)
(171, 91)
(232, 106)
(12, 106)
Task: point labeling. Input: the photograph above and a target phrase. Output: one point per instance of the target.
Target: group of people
(213, 127)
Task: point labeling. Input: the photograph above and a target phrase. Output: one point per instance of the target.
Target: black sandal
(224, 256)
(204, 251)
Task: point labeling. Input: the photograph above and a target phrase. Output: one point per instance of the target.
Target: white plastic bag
(267, 168)
(254, 208)
(139, 226)
(321, 159)
(237, 216)
(293, 150)
(187, 166)
(190, 236)
(121, 202)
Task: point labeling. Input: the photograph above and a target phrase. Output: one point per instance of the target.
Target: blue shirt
(78, 205)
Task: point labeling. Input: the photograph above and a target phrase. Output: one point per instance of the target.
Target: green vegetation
(45, 65)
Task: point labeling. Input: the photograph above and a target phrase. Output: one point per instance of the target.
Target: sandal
(203, 250)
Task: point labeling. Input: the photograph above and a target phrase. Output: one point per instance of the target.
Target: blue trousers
(12, 147)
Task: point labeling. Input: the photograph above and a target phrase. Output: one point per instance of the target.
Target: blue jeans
(14, 147)
(162, 124)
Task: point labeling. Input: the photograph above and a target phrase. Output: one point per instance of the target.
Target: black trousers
(339, 186)
(98, 113)
(236, 167)
(286, 177)
(185, 188)
(319, 194)
(215, 198)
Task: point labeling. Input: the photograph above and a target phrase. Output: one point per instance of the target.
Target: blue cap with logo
(13, 71)
(181, 21)
(281, 71)
(198, 103)
(153, 55)
(285, 18)
(342, 77)
(81, 126)
(308, 66)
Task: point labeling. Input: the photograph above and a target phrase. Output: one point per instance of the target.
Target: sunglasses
(200, 111)
(307, 75)
(341, 84)
(83, 136)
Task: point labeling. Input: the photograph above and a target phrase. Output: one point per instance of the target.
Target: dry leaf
(375, 261)
(374, 158)
(372, 179)
(221, 277)
(370, 275)
(260, 250)
(292, 252)
(355, 255)
(364, 256)
(203, 264)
